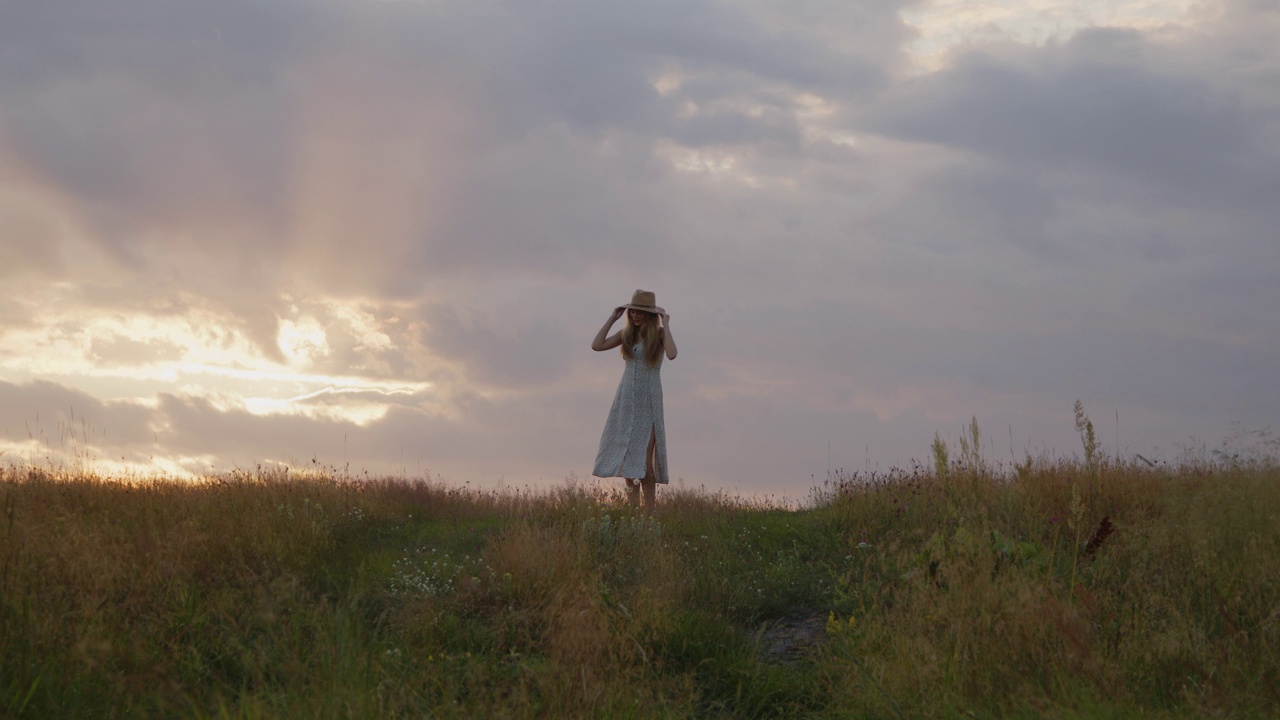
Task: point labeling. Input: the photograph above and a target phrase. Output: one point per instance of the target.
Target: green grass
(971, 593)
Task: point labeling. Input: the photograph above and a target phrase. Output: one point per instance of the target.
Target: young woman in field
(634, 443)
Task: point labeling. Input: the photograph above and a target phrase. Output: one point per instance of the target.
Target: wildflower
(835, 625)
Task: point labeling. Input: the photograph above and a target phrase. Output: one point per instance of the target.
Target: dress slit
(637, 405)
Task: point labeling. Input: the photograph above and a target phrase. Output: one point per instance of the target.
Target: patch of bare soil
(791, 638)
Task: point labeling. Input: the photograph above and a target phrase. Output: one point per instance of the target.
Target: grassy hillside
(948, 592)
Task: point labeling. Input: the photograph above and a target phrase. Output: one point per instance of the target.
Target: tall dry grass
(964, 589)
(1113, 589)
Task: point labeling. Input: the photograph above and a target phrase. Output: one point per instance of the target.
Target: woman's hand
(605, 341)
(664, 320)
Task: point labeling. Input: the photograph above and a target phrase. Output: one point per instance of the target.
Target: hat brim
(654, 309)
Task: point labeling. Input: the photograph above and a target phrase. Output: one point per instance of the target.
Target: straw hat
(646, 301)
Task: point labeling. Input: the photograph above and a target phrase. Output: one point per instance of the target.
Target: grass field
(948, 591)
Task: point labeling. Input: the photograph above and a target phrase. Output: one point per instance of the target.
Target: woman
(634, 442)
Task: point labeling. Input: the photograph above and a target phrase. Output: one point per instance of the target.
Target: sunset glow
(382, 235)
(943, 25)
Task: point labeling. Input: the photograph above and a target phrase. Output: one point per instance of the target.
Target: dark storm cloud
(995, 203)
(195, 426)
(187, 125)
(170, 113)
(1109, 101)
(1140, 169)
(594, 59)
(549, 208)
(731, 128)
(57, 416)
(504, 352)
(1175, 375)
(851, 256)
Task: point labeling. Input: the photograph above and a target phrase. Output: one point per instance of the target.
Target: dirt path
(789, 639)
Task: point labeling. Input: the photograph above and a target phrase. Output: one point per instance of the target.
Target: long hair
(649, 333)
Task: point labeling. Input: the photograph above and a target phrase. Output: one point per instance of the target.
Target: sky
(379, 236)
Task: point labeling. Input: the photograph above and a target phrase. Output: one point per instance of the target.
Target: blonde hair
(649, 333)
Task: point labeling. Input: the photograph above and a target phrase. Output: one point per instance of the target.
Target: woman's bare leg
(650, 492)
(650, 481)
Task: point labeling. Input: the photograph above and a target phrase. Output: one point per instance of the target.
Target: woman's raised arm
(604, 341)
(668, 341)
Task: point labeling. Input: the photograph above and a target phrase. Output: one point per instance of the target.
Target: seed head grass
(1045, 589)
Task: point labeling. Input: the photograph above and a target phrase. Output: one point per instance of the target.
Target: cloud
(507, 352)
(273, 229)
(1107, 101)
(366, 145)
(58, 417)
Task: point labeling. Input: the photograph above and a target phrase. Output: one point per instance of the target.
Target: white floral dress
(636, 413)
